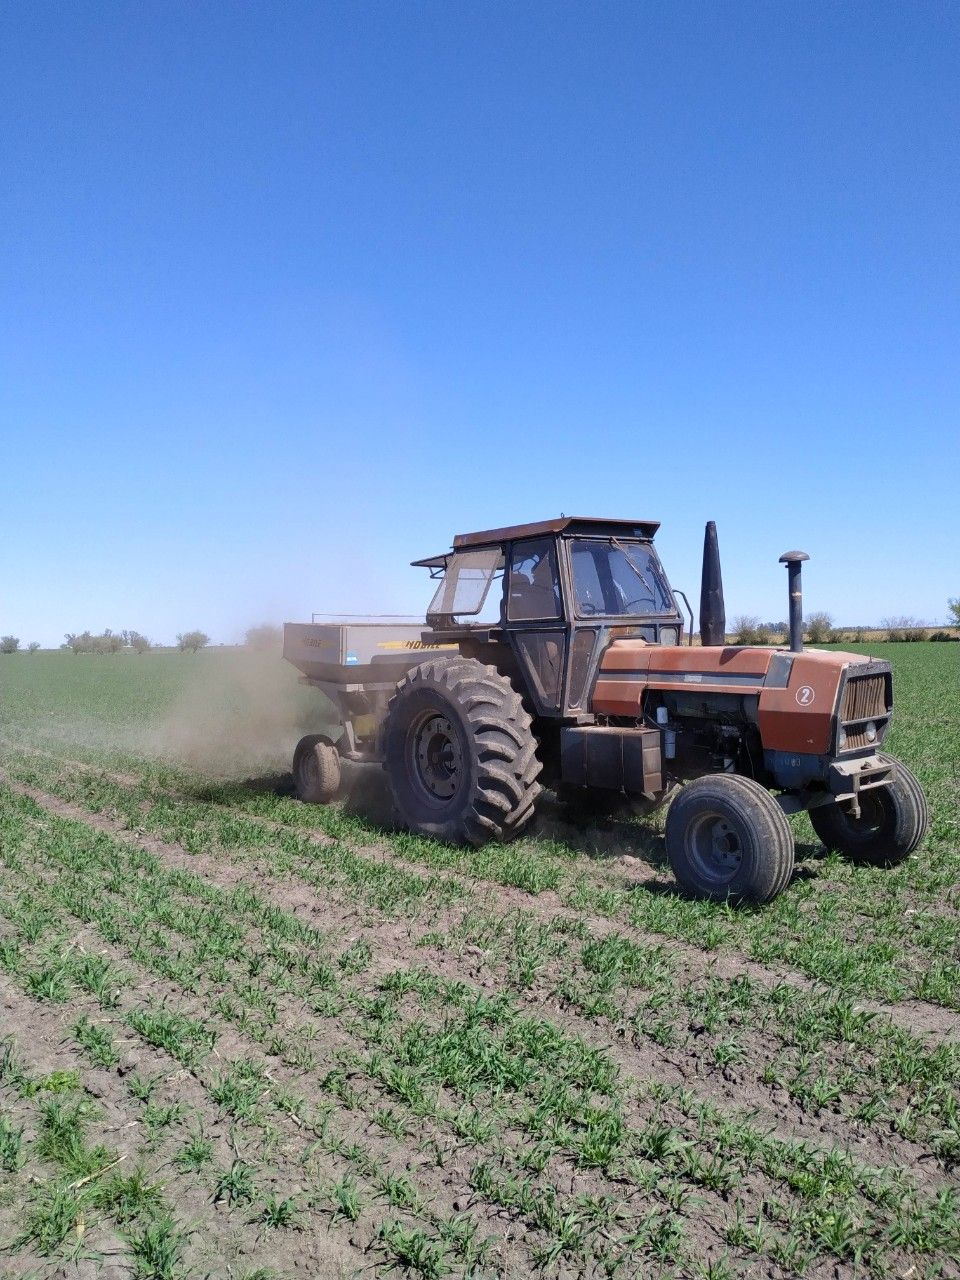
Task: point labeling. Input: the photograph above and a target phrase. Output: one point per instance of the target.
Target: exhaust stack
(713, 619)
(793, 560)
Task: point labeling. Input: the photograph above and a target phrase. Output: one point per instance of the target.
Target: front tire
(460, 754)
(892, 822)
(316, 770)
(729, 840)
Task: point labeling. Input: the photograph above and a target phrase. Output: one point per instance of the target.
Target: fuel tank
(802, 699)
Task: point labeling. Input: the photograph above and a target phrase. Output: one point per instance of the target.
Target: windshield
(617, 579)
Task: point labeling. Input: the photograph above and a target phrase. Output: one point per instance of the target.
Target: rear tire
(460, 754)
(729, 840)
(316, 770)
(892, 822)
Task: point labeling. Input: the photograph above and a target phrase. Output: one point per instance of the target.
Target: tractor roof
(563, 524)
(595, 525)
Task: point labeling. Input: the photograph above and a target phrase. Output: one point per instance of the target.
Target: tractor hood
(800, 698)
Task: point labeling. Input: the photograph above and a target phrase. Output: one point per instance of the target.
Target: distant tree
(818, 628)
(9, 644)
(266, 636)
(33, 646)
(745, 630)
(191, 641)
(954, 607)
(137, 642)
(902, 629)
(108, 642)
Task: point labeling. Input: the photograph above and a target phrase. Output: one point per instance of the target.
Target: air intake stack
(794, 560)
(713, 619)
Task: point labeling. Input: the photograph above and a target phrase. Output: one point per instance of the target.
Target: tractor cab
(547, 599)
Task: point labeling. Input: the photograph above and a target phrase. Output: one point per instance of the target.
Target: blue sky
(294, 292)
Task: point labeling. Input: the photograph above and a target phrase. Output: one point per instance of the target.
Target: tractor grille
(864, 699)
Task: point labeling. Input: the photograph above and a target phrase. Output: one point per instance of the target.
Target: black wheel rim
(306, 771)
(309, 770)
(436, 757)
(715, 848)
(873, 819)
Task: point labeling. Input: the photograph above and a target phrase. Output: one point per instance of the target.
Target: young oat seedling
(142, 1087)
(678, 1195)
(11, 1146)
(49, 983)
(469, 1124)
(460, 1232)
(235, 1185)
(412, 1248)
(280, 1213)
(10, 1070)
(356, 958)
(11, 957)
(96, 1042)
(157, 1250)
(62, 1137)
(127, 1197)
(180, 1036)
(345, 1195)
(98, 976)
(729, 1052)
(388, 1120)
(717, 1269)
(400, 1191)
(240, 1089)
(52, 1215)
(196, 1152)
(158, 1116)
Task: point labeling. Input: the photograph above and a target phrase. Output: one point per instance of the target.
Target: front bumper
(847, 778)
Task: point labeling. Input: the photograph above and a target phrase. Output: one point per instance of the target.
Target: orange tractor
(553, 653)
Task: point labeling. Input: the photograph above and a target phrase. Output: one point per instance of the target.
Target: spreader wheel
(316, 770)
(459, 753)
(728, 839)
(893, 819)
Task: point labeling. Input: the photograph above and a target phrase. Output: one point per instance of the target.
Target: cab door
(534, 620)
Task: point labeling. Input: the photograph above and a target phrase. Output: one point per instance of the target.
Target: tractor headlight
(842, 740)
(871, 732)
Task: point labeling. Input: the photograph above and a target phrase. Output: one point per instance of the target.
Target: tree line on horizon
(263, 637)
(111, 642)
(818, 628)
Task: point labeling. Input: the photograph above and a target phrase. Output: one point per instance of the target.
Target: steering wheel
(588, 607)
(628, 604)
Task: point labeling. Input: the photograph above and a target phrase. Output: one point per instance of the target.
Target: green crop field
(245, 1037)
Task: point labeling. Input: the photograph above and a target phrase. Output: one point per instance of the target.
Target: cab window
(534, 590)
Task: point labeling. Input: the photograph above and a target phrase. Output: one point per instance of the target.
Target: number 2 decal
(805, 695)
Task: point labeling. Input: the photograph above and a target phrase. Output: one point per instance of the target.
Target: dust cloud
(236, 716)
